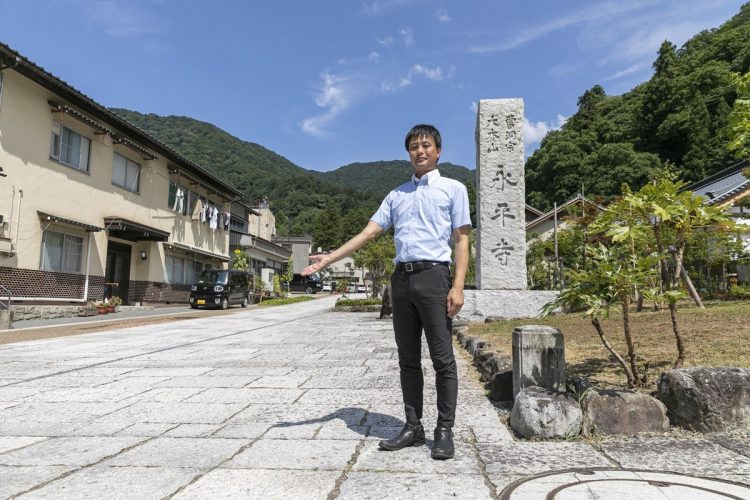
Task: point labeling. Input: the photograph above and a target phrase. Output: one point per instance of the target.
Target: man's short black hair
(424, 130)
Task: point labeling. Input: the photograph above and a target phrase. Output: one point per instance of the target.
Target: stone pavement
(290, 402)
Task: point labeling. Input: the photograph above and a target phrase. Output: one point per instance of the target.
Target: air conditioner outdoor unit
(6, 246)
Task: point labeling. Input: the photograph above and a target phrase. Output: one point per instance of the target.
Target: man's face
(423, 154)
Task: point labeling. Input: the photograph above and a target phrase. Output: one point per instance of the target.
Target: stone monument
(501, 221)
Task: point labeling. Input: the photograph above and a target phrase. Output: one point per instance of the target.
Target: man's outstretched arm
(370, 231)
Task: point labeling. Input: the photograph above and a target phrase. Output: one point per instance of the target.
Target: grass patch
(284, 301)
(358, 302)
(716, 336)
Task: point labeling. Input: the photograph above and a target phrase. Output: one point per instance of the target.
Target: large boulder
(540, 412)
(613, 412)
(707, 399)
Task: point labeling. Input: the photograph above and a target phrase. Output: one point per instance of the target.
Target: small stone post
(538, 358)
(6, 319)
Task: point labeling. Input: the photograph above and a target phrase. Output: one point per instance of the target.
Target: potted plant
(101, 307)
(115, 302)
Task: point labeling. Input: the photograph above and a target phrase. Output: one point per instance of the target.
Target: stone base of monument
(510, 304)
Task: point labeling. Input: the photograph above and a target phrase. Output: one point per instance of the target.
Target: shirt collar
(428, 178)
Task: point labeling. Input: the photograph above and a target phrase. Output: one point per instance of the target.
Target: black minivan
(308, 284)
(220, 288)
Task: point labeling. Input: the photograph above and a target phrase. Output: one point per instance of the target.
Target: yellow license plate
(200, 301)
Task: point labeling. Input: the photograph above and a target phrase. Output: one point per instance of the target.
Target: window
(61, 252)
(174, 267)
(69, 148)
(126, 173)
(183, 271)
(177, 198)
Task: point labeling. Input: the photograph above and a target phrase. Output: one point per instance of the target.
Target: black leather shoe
(443, 449)
(411, 435)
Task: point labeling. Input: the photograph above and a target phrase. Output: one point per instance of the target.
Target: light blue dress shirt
(424, 212)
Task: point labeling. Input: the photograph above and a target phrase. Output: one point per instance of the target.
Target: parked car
(308, 284)
(220, 288)
(361, 288)
(327, 287)
(351, 288)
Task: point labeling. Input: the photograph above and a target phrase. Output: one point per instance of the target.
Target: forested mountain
(677, 117)
(331, 206)
(377, 178)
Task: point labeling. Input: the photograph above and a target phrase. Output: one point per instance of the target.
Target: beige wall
(263, 225)
(35, 182)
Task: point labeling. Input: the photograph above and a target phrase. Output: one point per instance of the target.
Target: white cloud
(434, 74)
(334, 96)
(474, 106)
(596, 13)
(385, 42)
(121, 19)
(374, 56)
(627, 71)
(407, 35)
(442, 16)
(534, 132)
(379, 6)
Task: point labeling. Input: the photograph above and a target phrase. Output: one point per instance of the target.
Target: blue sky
(330, 82)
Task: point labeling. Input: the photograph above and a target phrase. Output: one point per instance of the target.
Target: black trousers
(419, 302)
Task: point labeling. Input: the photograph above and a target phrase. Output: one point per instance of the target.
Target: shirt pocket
(436, 207)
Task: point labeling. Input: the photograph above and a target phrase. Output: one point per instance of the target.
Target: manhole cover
(622, 484)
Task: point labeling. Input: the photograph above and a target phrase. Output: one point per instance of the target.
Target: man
(424, 212)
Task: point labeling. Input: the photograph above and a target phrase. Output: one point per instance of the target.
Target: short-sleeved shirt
(424, 212)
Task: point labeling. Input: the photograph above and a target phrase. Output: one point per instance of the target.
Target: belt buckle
(408, 267)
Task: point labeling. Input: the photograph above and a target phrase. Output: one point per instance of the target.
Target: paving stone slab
(12, 427)
(623, 485)
(340, 430)
(231, 484)
(737, 445)
(532, 458)
(193, 430)
(285, 431)
(178, 413)
(295, 454)
(248, 431)
(691, 456)
(145, 430)
(17, 442)
(70, 451)
(390, 485)
(166, 394)
(279, 381)
(207, 381)
(124, 483)
(246, 395)
(299, 413)
(416, 460)
(15, 479)
(202, 453)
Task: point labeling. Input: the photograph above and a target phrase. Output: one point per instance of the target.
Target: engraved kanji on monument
(501, 196)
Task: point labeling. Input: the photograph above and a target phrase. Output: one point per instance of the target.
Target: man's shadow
(359, 420)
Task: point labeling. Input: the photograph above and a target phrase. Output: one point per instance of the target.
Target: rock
(489, 363)
(614, 412)
(475, 345)
(493, 319)
(707, 399)
(539, 412)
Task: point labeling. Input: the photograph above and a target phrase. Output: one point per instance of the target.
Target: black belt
(420, 265)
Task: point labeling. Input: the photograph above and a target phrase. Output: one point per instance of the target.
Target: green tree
(738, 128)
(377, 256)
